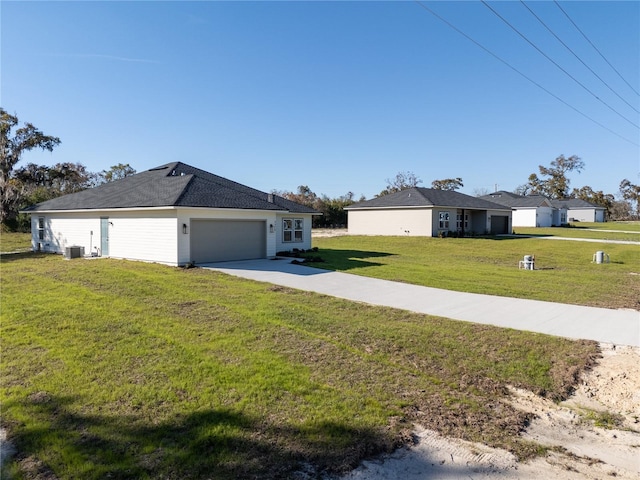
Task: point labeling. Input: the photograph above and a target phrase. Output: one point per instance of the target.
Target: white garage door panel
(226, 240)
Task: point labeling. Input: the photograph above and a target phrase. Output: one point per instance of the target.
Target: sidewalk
(573, 321)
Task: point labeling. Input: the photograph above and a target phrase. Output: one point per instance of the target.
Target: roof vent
(270, 198)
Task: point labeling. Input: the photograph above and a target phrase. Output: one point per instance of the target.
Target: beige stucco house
(428, 212)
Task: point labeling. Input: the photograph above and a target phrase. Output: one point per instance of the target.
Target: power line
(450, 25)
(557, 65)
(575, 55)
(596, 48)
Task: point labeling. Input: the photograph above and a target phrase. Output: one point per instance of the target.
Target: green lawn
(116, 369)
(628, 231)
(564, 269)
(15, 242)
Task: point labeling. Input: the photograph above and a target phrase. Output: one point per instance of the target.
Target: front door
(104, 236)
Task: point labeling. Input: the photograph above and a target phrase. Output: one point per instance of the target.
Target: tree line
(32, 183)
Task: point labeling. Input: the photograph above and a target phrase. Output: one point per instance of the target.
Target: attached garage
(227, 240)
(499, 225)
(174, 214)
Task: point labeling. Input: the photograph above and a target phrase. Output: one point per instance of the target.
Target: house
(581, 210)
(173, 214)
(428, 212)
(530, 210)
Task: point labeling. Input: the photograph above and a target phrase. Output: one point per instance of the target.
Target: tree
(522, 189)
(332, 209)
(621, 210)
(60, 179)
(402, 181)
(631, 193)
(447, 184)
(116, 172)
(304, 196)
(481, 192)
(12, 146)
(39, 183)
(556, 185)
(333, 213)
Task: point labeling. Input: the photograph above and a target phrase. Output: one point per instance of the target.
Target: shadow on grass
(14, 256)
(335, 259)
(520, 236)
(213, 443)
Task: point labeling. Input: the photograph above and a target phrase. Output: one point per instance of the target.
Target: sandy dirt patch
(581, 450)
(329, 232)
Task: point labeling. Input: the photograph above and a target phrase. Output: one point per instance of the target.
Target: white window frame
(443, 218)
(293, 230)
(459, 220)
(41, 228)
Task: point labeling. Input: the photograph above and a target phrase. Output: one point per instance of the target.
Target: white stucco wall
(545, 217)
(398, 222)
(524, 217)
(586, 214)
(281, 245)
(559, 217)
(147, 236)
(66, 230)
(539, 217)
(152, 235)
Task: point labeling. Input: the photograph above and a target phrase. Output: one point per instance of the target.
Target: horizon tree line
(32, 183)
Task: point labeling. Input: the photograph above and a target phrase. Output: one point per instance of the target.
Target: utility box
(601, 257)
(528, 262)
(73, 252)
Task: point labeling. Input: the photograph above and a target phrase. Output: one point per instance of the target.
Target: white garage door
(226, 240)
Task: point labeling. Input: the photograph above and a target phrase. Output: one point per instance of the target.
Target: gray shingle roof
(514, 200)
(575, 203)
(428, 197)
(172, 185)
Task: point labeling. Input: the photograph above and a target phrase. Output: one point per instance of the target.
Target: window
(444, 220)
(460, 218)
(292, 229)
(40, 228)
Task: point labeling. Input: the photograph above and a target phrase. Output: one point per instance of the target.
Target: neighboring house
(581, 210)
(173, 214)
(428, 212)
(530, 210)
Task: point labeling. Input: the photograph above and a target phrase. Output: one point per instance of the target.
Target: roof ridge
(184, 189)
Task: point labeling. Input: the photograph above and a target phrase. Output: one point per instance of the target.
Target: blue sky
(338, 96)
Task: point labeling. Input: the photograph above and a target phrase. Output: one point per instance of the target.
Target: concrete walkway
(620, 327)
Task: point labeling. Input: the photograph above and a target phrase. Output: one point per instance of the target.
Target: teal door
(104, 236)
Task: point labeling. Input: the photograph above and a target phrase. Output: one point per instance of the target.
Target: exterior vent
(270, 198)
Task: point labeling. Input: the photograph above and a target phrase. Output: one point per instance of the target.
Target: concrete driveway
(620, 327)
